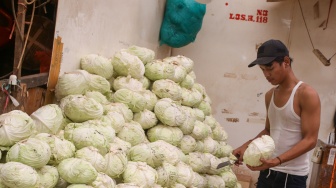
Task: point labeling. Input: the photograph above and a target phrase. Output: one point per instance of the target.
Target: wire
(304, 20)
(332, 56)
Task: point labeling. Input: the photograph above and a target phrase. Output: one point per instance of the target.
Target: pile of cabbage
(128, 121)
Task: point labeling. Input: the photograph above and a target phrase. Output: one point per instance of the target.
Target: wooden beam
(19, 36)
(55, 67)
(31, 81)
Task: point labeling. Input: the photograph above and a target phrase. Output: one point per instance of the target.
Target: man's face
(273, 73)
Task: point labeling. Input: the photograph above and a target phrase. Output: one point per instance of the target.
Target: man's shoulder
(305, 91)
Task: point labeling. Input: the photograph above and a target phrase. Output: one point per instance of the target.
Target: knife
(224, 164)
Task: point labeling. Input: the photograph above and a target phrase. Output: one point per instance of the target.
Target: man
(293, 121)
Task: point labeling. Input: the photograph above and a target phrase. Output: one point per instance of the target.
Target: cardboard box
(244, 180)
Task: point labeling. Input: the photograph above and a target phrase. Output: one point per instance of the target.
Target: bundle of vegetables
(128, 121)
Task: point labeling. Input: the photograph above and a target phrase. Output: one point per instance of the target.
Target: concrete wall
(226, 45)
(104, 27)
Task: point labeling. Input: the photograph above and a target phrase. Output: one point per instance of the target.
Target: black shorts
(274, 179)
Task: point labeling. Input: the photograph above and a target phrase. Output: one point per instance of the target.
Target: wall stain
(233, 120)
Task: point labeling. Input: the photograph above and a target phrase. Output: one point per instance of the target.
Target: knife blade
(224, 164)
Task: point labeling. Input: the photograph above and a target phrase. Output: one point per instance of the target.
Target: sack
(181, 22)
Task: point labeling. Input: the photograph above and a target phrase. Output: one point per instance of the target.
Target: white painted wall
(222, 50)
(104, 27)
(224, 47)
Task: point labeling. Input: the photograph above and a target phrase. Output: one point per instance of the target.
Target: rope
(304, 20)
(25, 44)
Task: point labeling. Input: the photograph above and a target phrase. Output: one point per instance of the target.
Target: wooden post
(19, 36)
(55, 66)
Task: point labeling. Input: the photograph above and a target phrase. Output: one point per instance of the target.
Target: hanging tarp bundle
(181, 23)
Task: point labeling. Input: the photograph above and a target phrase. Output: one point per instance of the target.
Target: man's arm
(239, 152)
(310, 110)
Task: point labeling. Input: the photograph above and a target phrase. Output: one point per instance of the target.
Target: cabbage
(145, 55)
(211, 121)
(146, 119)
(72, 83)
(205, 107)
(260, 148)
(126, 64)
(188, 144)
(60, 148)
(77, 171)
(214, 181)
(92, 155)
(133, 133)
(199, 162)
(199, 114)
(169, 113)
(134, 100)
(177, 185)
(184, 61)
(116, 161)
(146, 83)
(97, 64)
(157, 70)
(78, 82)
(163, 151)
(210, 145)
(119, 144)
(140, 173)
(61, 183)
(167, 174)
(82, 108)
(188, 125)
(102, 127)
(97, 96)
(166, 88)
(16, 125)
(103, 181)
(31, 151)
(218, 133)
(214, 162)
(120, 108)
(185, 174)
(82, 136)
(79, 186)
(199, 146)
(172, 135)
(229, 177)
(143, 153)
(224, 150)
(200, 131)
(48, 176)
(187, 82)
(18, 175)
(150, 99)
(123, 82)
(127, 185)
(48, 118)
(116, 119)
(199, 181)
(191, 97)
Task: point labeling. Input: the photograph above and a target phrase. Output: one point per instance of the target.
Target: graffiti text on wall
(261, 17)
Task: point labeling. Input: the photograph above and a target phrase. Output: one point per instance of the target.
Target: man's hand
(265, 164)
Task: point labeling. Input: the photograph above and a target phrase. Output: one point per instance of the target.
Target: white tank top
(285, 129)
